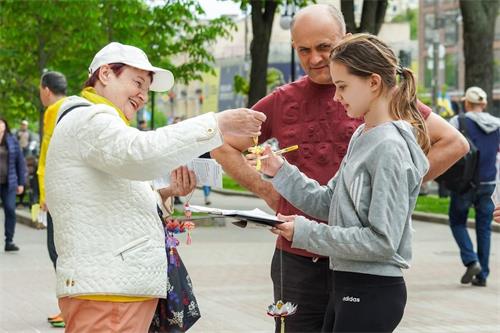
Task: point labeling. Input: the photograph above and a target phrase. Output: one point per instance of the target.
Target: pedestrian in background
(12, 180)
(112, 264)
(24, 137)
(143, 125)
(206, 189)
(369, 202)
(53, 86)
(483, 131)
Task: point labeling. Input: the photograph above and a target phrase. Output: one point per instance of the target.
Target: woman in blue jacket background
(12, 180)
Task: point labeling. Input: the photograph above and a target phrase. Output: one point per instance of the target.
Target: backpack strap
(461, 121)
(69, 110)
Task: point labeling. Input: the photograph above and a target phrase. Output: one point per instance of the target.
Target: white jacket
(107, 232)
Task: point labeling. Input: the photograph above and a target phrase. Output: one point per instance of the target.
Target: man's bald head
(319, 12)
(315, 31)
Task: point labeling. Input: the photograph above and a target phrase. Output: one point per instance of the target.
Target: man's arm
(447, 146)
(235, 165)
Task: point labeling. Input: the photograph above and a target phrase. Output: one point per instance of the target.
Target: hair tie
(399, 70)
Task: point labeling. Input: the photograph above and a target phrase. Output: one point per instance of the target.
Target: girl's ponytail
(404, 106)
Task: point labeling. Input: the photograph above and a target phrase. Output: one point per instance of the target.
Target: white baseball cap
(115, 52)
(475, 95)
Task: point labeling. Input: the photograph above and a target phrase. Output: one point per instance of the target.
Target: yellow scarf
(91, 95)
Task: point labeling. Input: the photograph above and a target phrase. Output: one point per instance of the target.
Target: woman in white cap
(112, 264)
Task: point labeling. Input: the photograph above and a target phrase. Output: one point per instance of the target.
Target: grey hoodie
(368, 203)
(484, 120)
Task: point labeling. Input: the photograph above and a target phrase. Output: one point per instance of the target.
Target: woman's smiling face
(128, 90)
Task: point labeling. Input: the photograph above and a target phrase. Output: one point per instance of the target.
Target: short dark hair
(55, 81)
(116, 67)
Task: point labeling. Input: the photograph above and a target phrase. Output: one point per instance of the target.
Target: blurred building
(449, 32)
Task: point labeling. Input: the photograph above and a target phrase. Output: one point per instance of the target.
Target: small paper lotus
(281, 309)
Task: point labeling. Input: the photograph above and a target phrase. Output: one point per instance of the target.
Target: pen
(281, 151)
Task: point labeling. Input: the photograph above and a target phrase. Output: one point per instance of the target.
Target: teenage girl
(370, 200)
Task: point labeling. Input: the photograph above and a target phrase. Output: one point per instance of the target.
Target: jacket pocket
(131, 246)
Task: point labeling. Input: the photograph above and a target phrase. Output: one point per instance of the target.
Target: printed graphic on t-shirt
(322, 130)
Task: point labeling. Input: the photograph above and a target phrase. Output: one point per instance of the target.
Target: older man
(304, 113)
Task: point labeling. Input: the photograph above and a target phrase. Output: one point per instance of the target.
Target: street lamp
(285, 23)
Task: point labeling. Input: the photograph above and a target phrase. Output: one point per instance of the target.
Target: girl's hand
(496, 214)
(270, 165)
(286, 228)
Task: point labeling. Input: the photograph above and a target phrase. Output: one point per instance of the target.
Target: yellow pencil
(281, 151)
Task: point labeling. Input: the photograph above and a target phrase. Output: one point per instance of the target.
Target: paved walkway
(229, 267)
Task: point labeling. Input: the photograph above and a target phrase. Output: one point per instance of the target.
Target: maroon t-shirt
(304, 113)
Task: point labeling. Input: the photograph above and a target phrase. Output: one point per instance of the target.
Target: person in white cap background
(483, 130)
(24, 137)
(111, 268)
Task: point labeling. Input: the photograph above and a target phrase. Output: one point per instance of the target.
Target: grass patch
(229, 183)
(436, 205)
(180, 213)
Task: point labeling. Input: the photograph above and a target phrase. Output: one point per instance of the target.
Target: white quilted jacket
(107, 232)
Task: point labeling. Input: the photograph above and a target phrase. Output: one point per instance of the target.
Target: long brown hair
(364, 55)
(7, 130)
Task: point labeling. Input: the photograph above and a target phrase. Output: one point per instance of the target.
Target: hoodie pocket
(131, 246)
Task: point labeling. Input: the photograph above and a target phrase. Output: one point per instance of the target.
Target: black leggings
(365, 303)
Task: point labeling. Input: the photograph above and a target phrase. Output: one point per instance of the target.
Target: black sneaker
(10, 247)
(472, 269)
(478, 282)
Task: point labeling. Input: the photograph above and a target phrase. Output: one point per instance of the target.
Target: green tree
(64, 36)
(372, 15)
(263, 13)
(479, 31)
(274, 78)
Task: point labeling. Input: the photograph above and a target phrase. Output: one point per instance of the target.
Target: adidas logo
(351, 299)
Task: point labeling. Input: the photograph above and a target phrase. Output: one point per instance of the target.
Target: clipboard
(244, 217)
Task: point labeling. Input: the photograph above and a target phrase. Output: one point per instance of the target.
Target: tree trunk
(262, 24)
(347, 8)
(478, 34)
(372, 15)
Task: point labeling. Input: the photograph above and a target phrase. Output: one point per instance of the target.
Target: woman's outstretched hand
(240, 122)
(286, 228)
(182, 182)
(270, 165)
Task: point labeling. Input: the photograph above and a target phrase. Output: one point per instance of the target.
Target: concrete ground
(229, 267)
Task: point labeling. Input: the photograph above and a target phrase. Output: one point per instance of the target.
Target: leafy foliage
(64, 36)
